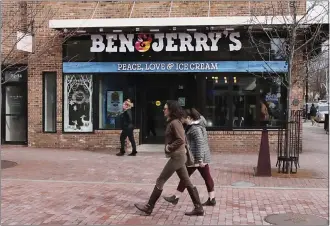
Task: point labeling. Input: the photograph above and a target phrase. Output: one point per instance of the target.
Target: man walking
(312, 112)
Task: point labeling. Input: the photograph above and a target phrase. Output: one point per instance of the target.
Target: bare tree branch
(35, 16)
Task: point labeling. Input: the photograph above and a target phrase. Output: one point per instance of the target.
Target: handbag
(190, 157)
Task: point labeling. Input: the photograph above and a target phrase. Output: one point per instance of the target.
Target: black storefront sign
(212, 46)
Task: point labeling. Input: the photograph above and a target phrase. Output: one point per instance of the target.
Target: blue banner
(175, 67)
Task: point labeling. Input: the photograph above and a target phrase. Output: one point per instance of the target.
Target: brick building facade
(48, 56)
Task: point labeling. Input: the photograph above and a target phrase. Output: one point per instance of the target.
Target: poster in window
(114, 103)
(182, 101)
(78, 94)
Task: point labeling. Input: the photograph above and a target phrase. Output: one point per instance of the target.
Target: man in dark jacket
(127, 129)
(312, 113)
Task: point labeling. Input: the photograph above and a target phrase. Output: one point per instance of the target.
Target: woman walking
(127, 128)
(197, 140)
(175, 150)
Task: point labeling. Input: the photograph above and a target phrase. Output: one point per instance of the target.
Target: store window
(274, 94)
(234, 101)
(217, 103)
(49, 102)
(112, 91)
(244, 105)
(78, 107)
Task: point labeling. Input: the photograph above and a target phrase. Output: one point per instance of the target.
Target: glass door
(15, 114)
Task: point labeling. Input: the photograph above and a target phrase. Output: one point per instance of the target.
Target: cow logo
(143, 43)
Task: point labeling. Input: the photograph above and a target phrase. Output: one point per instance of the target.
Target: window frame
(44, 75)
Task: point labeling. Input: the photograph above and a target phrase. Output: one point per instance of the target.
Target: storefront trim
(177, 21)
(175, 67)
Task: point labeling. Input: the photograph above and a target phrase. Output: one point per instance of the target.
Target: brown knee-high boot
(147, 208)
(198, 208)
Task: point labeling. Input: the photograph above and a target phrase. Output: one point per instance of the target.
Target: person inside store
(198, 145)
(175, 150)
(264, 112)
(127, 128)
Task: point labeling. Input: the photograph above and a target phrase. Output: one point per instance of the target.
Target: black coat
(313, 111)
(126, 119)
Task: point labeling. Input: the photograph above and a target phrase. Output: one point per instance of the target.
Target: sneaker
(210, 202)
(120, 153)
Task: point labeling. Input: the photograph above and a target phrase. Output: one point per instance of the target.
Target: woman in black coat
(127, 128)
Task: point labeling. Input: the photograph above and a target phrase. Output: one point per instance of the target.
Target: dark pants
(126, 132)
(205, 173)
(176, 163)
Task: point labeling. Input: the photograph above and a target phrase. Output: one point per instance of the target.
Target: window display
(114, 107)
(78, 94)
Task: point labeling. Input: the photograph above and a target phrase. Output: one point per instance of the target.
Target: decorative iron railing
(290, 143)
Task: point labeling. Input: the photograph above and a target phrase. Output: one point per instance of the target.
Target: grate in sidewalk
(295, 219)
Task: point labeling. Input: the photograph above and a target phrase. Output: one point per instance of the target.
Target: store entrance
(14, 107)
(155, 90)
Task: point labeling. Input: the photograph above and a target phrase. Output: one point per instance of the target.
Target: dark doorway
(14, 107)
(154, 91)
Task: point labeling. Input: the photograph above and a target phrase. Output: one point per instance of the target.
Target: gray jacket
(202, 121)
(198, 143)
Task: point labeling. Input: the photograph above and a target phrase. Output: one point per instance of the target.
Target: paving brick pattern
(226, 169)
(63, 203)
(84, 188)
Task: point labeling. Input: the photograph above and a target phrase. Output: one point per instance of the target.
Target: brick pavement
(79, 187)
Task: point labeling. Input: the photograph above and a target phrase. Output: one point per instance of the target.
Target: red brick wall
(48, 57)
(240, 141)
(149, 9)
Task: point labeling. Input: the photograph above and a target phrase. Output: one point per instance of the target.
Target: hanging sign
(169, 42)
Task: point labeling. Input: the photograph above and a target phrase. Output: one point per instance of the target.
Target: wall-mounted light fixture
(154, 30)
(117, 31)
(101, 29)
(191, 29)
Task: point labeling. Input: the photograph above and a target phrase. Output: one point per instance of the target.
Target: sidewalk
(85, 188)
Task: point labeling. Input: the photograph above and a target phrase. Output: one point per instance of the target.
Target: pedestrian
(198, 143)
(264, 114)
(312, 113)
(127, 128)
(176, 152)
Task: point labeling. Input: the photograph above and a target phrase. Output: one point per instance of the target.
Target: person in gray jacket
(198, 143)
